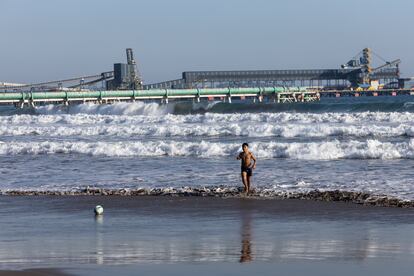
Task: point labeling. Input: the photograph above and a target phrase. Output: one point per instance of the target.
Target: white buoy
(98, 210)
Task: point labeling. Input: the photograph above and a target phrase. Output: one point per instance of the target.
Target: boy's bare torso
(246, 159)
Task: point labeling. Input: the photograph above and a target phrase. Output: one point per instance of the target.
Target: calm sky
(56, 39)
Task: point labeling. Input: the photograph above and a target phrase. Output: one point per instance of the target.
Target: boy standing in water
(247, 167)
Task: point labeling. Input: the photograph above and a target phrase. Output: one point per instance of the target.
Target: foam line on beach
(228, 192)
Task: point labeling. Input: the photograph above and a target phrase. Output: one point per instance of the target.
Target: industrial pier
(358, 77)
(273, 94)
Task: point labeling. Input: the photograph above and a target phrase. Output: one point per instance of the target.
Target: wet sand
(138, 233)
(33, 272)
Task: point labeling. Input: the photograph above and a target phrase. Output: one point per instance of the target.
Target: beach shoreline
(360, 198)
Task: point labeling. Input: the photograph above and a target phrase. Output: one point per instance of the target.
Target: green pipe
(47, 95)
(79, 95)
(13, 96)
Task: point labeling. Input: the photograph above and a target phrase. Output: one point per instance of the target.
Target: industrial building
(357, 72)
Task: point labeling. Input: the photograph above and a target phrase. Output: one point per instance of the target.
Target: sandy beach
(176, 233)
(32, 272)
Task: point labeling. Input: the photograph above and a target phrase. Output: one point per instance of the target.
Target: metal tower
(135, 79)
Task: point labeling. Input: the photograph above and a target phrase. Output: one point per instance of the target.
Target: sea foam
(326, 150)
(286, 125)
(209, 130)
(121, 108)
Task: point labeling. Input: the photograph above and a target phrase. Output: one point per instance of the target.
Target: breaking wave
(122, 108)
(210, 130)
(160, 124)
(329, 150)
(84, 119)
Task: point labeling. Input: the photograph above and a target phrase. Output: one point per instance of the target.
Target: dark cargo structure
(335, 78)
(356, 72)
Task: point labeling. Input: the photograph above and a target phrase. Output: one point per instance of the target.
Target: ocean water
(352, 144)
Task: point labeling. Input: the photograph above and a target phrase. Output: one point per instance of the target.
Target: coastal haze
(51, 40)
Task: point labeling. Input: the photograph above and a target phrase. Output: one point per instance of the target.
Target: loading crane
(363, 73)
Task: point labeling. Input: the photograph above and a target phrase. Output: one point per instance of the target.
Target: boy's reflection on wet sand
(246, 246)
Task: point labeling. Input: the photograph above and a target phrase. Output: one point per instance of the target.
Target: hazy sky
(56, 39)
